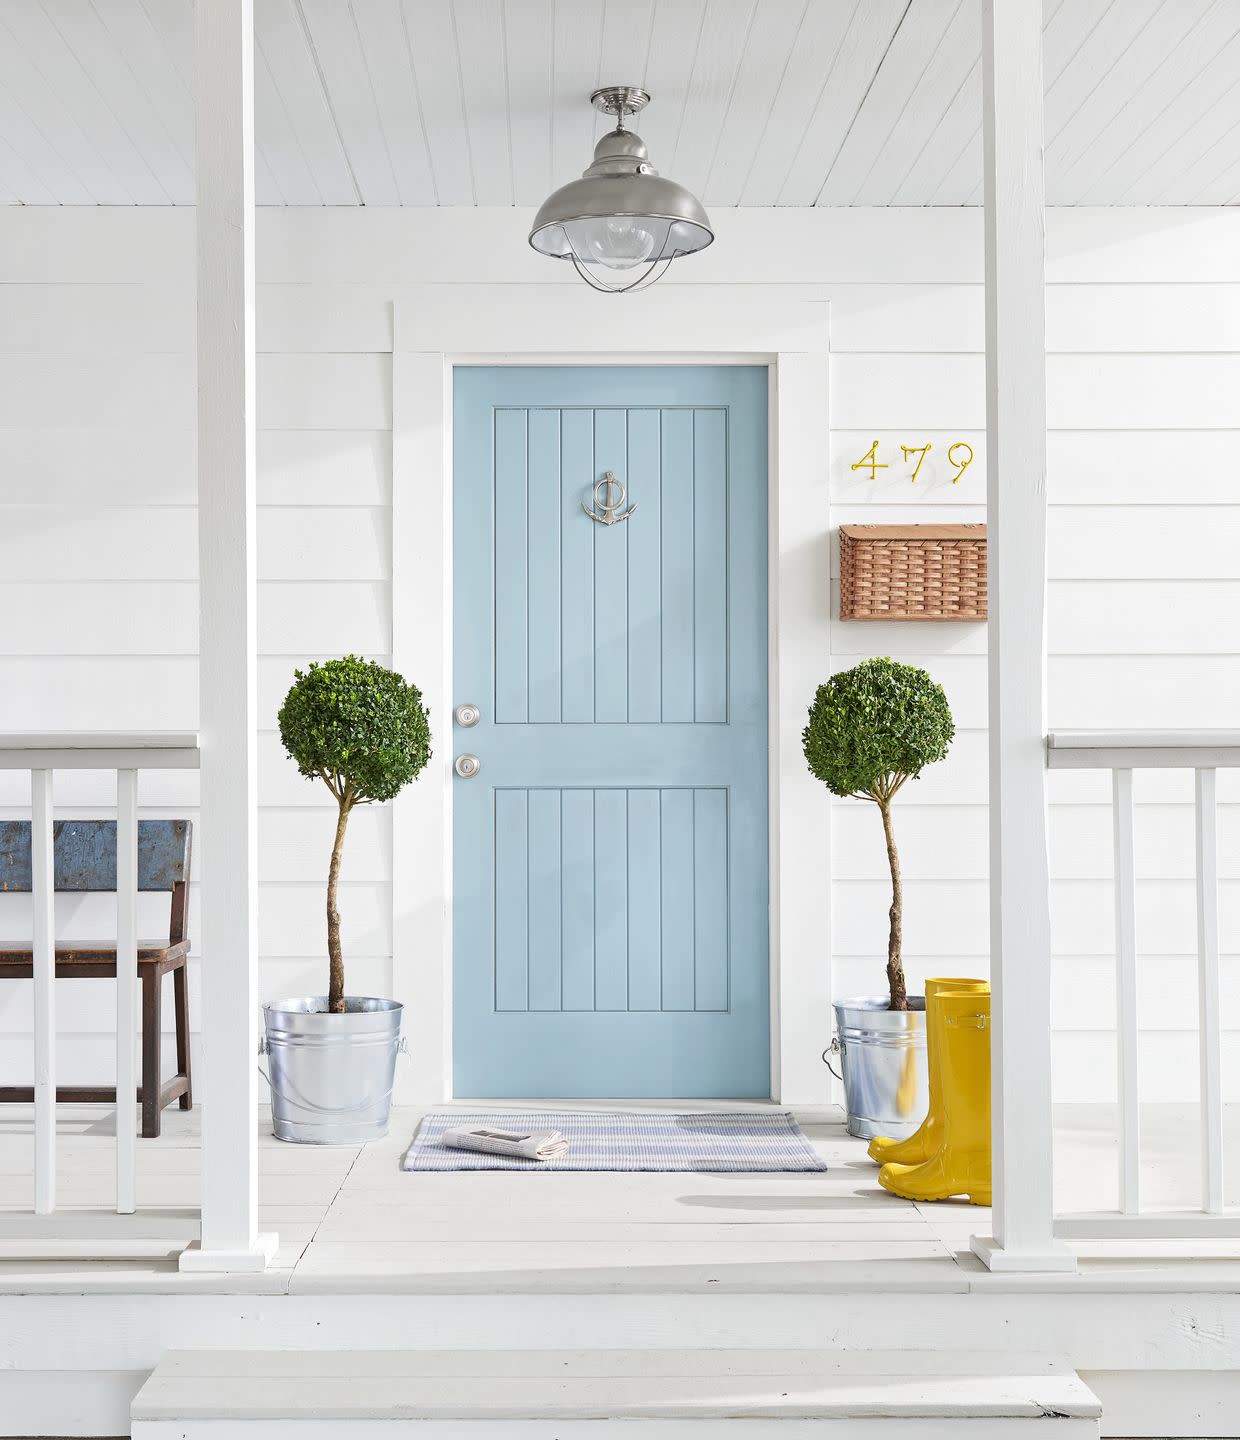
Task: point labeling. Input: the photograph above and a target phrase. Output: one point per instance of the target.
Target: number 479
(870, 461)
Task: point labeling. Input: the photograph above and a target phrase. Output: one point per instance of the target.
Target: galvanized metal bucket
(331, 1076)
(883, 1059)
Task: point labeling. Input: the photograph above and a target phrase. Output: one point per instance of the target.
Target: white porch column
(224, 72)
(1020, 949)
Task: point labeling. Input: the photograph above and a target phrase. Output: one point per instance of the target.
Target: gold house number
(959, 462)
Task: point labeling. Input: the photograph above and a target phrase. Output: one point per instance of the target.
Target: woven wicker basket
(913, 572)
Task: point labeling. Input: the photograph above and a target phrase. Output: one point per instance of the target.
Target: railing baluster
(1126, 1034)
(126, 986)
(1209, 1040)
(43, 894)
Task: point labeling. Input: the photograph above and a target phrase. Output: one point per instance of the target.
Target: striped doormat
(626, 1140)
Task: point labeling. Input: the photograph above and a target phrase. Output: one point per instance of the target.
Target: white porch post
(1020, 948)
(224, 70)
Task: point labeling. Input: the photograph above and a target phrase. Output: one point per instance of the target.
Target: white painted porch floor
(350, 1222)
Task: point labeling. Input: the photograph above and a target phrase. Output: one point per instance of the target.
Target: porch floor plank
(351, 1222)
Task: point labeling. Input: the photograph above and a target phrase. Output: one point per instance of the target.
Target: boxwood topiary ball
(878, 719)
(354, 722)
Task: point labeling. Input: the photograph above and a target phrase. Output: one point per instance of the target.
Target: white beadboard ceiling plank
(280, 146)
(576, 63)
(1173, 96)
(113, 73)
(949, 169)
(527, 62)
(381, 26)
(801, 111)
(1222, 185)
(1228, 184)
(338, 53)
(679, 27)
(900, 74)
(20, 180)
(288, 61)
(844, 112)
(1195, 160)
(768, 49)
(628, 26)
(1063, 34)
(27, 141)
(480, 26)
(437, 76)
(171, 22)
(146, 52)
(712, 82)
(949, 141)
(44, 48)
(1212, 90)
(1118, 60)
(945, 72)
(958, 186)
(28, 89)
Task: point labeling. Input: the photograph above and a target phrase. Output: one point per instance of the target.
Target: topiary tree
(365, 733)
(871, 729)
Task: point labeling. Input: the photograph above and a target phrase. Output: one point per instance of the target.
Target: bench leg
(180, 999)
(152, 1044)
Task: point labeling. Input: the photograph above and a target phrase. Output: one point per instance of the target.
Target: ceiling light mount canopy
(622, 215)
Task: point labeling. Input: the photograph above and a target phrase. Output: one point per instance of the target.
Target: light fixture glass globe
(617, 241)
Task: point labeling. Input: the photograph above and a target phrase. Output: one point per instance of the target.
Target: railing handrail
(1142, 749)
(99, 750)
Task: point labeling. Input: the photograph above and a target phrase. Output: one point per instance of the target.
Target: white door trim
(785, 328)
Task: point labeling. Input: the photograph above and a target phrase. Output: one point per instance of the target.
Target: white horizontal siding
(98, 551)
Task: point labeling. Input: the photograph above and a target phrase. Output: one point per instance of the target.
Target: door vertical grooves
(529, 546)
(693, 818)
(628, 929)
(594, 570)
(559, 835)
(693, 549)
(662, 904)
(559, 510)
(528, 907)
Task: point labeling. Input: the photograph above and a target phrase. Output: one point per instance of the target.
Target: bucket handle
(835, 1048)
(402, 1048)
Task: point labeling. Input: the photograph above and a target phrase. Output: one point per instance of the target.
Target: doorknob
(467, 766)
(467, 716)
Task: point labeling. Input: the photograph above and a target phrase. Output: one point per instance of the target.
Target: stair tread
(608, 1384)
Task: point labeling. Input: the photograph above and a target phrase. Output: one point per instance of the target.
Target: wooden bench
(85, 860)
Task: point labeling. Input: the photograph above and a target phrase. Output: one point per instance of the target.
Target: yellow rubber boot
(922, 1144)
(961, 1165)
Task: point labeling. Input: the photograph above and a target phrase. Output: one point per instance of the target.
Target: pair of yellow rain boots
(950, 1154)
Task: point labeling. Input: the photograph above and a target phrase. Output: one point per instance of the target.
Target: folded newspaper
(516, 1144)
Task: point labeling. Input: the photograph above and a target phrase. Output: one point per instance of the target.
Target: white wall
(97, 550)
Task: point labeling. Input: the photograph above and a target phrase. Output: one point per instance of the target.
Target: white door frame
(782, 327)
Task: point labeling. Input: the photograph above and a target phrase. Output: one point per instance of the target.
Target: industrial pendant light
(622, 216)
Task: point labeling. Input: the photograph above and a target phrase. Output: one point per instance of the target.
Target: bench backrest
(85, 854)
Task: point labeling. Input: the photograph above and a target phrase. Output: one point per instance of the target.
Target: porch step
(570, 1394)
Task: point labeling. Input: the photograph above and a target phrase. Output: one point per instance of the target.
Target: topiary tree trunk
(895, 934)
(335, 955)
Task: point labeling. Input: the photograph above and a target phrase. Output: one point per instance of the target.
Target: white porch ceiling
(485, 102)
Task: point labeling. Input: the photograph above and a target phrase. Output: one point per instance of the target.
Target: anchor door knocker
(607, 511)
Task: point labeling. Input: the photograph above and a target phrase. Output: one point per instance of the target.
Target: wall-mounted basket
(913, 572)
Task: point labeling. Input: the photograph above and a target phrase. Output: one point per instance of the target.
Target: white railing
(1123, 751)
(124, 754)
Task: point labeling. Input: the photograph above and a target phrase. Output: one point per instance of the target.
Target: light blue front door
(611, 853)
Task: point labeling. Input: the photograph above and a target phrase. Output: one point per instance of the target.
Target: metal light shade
(621, 214)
